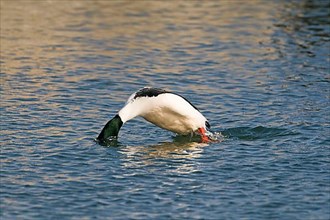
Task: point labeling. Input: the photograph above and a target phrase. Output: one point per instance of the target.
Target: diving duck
(163, 108)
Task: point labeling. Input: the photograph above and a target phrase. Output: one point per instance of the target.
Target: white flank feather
(167, 110)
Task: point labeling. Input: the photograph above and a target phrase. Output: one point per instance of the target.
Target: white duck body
(164, 109)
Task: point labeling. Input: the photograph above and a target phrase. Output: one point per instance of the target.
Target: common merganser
(165, 109)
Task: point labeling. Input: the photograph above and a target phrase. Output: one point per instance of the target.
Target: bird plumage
(165, 109)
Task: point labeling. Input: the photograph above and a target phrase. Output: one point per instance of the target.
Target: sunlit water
(258, 70)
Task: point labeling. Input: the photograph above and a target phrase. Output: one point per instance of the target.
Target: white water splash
(215, 136)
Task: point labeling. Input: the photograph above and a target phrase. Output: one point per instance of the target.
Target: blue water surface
(258, 70)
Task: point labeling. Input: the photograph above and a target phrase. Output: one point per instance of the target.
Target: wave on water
(240, 133)
(256, 133)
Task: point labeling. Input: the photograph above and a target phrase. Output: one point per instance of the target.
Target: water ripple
(258, 72)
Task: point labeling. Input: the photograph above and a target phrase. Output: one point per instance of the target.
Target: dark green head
(111, 129)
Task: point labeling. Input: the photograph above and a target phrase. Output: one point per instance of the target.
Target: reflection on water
(168, 150)
(182, 154)
(164, 31)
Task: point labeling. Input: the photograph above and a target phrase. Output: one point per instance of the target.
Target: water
(258, 70)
